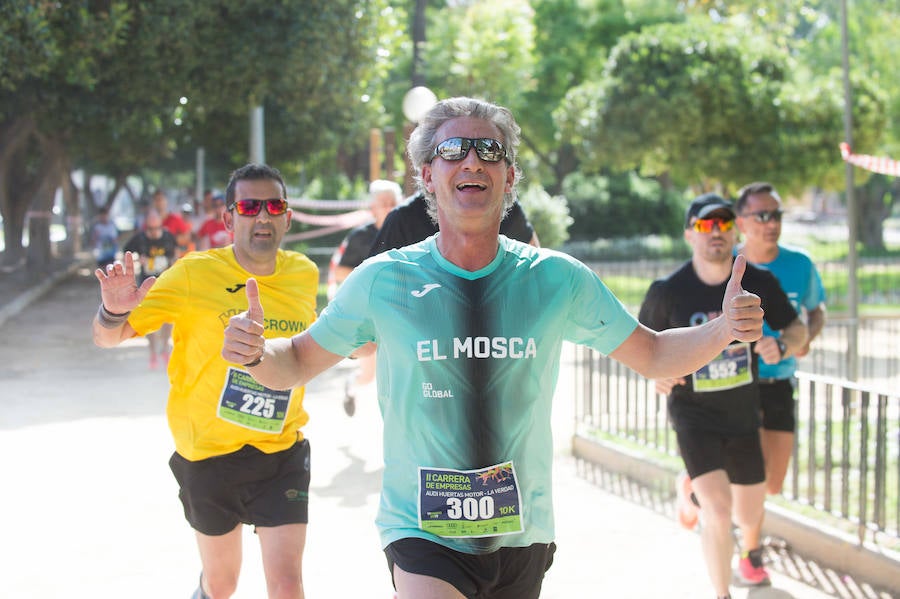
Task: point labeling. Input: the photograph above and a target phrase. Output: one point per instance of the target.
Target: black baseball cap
(706, 204)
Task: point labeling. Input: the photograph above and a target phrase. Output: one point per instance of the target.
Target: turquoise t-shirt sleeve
(597, 318)
(816, 293)
(345, 324)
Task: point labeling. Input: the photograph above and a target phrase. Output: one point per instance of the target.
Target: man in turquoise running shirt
(470, 326)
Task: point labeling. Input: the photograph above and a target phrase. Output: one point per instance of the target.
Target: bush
(549, 215)
(623, 205)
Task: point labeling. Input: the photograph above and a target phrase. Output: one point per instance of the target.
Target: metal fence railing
(878, 348)
(878, 336)
(846, 465)
(847, 454)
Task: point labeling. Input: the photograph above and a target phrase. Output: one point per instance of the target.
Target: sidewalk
(92, 508)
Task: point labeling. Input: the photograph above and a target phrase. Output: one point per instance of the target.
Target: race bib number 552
(728, 370)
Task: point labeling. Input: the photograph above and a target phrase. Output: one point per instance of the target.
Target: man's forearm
(289, 362)
(673, 353)
(815, 322)
(109, 330)
(794, 336)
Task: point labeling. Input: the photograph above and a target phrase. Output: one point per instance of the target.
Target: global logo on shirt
(429, 392)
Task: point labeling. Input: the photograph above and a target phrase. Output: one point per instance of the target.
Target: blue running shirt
(466, 368)
(801, 282)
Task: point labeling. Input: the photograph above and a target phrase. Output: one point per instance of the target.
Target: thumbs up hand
(742, 309)
(244, 342)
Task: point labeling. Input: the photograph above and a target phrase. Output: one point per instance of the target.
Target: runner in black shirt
(715, 411)
(409, 223)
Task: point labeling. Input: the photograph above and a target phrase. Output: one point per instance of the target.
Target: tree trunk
(20, 189)
(52, 159)
(13, 137)
(74, 222)
(874, 205)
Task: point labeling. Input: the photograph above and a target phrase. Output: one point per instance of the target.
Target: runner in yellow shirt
(240, 456)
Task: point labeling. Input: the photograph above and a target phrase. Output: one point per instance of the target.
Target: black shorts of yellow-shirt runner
(246, 486)
(508, 573)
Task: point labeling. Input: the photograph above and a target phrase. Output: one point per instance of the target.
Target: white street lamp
(417, 102)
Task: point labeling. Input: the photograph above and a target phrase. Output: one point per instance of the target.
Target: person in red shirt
(212, 232)
(173, 222)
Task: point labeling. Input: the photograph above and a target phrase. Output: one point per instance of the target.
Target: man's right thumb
(254, 307)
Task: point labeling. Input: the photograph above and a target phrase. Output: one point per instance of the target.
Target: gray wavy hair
(422, 141)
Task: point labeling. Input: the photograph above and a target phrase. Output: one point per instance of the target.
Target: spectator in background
(411, 222)
(156, 249)
(205, 209)
(104, 238)
(759, 214)
(189, 216)
(384, 196)
(213, 233)
(173, 223)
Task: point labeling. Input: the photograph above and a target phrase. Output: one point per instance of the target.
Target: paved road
(91, 510)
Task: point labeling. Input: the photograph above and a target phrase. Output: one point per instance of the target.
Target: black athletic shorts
(740, 456)
(776, 398)
(508, 573)
(248, 485)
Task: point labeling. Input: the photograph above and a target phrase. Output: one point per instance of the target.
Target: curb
(36, 292)
(830, 548)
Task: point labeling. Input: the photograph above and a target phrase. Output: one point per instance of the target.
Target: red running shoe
(750, 571)
(685, 507)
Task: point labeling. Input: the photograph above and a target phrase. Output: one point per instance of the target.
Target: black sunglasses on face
(456, 148)
(274, 206)
(764, 216)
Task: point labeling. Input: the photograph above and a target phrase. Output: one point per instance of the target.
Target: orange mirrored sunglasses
(705, 225)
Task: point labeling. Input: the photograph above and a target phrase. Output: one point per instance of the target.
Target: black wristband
(782, 347)
(110, 320)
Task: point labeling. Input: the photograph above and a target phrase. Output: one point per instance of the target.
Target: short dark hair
(253, 172)
(752, 189)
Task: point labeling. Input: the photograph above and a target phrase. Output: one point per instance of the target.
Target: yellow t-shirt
(215, 407)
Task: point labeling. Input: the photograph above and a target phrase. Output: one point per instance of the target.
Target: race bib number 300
(247, 403)
(470, 503)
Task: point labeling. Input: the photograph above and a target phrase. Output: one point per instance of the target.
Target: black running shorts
(776, 400)
(740, 456)
(248, 485)
(508, 573)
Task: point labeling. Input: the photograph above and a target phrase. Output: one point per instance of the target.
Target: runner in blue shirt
(759, 220)
(470, 326)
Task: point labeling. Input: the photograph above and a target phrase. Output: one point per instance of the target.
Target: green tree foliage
(622, 205)
(706, 105)
(123, 87)
(467, 44)
(55, 51)
(811, 33)
(571, 46)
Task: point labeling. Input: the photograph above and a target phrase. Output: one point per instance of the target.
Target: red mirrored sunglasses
(274, 206)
